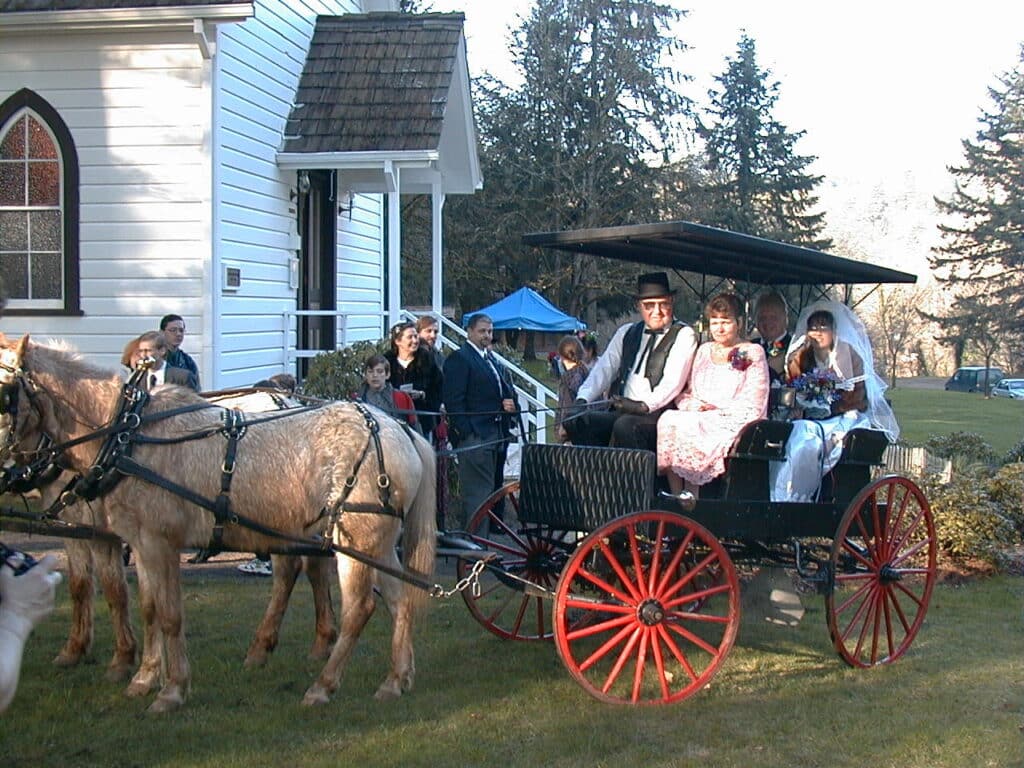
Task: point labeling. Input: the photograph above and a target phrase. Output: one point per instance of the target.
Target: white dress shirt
(638, 387)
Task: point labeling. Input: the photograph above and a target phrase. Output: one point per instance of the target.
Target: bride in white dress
(829, 340)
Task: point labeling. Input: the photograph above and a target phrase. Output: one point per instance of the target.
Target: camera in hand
(20, 562)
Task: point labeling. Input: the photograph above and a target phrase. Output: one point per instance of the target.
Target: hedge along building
(238, 163)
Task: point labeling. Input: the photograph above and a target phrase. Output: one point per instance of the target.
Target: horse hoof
(388, 692)
(315, 696)
(118, 672)
(320, 652)
(165, 704)
(136, 689)
(254, 660)
(64, 659)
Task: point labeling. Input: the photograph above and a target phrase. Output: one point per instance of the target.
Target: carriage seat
(863, 450)
(746, 466)
(579, 488)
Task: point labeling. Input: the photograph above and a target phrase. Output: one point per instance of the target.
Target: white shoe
(256, 567)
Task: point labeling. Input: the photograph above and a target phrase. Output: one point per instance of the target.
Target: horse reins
(114, 461)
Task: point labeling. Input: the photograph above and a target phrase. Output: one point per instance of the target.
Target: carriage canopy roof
(684, 246)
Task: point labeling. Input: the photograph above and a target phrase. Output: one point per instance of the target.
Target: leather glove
(27, 599)
(625, 405)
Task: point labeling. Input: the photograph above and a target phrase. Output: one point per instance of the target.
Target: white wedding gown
(812, 451)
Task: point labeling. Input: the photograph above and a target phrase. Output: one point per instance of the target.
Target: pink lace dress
(693, 442)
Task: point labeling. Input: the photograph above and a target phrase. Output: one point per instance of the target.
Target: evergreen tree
(569, 148)
(414, 6)
(757, 183)
(981, 260)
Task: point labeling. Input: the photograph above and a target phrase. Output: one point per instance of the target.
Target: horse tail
(419, 534)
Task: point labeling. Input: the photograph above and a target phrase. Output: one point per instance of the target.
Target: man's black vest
(655, 366)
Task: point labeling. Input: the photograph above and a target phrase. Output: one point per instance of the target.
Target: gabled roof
(689, 247)
(385, 86)
(375, 81)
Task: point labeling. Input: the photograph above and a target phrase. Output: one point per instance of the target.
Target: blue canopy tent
(527, 310)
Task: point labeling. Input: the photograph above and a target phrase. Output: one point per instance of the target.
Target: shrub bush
(1015, 454)
(1006, 489)
(966, 449)
(969, 523)
(337, 375)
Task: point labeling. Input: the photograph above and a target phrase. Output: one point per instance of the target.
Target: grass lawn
(782, 698)
(925, 412)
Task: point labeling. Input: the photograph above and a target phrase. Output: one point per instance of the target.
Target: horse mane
(59, 359)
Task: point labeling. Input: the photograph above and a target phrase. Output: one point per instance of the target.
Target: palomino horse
(99, 556)
(99, 559)
(311, 472)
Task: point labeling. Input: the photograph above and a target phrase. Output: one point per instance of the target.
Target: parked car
(1011, 388)
(972, 379)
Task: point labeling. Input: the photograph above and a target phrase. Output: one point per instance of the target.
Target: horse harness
(114, 461)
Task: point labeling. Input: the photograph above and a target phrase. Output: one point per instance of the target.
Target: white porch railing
(536, 401)
(289, 354)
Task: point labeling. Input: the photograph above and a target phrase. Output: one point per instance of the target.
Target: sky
(879, 87)
(885, 91)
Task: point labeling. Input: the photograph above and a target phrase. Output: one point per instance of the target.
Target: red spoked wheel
(883, 567)
(647, 609)
(533, 552)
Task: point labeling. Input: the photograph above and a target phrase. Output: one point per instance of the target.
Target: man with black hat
(643, 370)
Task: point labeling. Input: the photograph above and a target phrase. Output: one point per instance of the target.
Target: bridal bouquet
(816, 391)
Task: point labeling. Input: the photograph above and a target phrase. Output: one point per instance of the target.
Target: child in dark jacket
(376, 391)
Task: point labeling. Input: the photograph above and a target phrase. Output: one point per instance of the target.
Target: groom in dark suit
(480, 402)
(772, 321)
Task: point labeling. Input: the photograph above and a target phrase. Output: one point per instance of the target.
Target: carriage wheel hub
(887, 574)
(651, 613)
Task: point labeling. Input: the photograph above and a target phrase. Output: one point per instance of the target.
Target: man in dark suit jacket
(772, 321)
(480, 401)
(153, 345)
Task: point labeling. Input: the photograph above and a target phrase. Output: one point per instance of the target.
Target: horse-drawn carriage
(640, 592)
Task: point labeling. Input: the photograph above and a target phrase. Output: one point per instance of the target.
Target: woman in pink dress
(728, 389)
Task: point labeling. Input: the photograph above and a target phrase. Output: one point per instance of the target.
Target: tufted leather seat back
(579, 488)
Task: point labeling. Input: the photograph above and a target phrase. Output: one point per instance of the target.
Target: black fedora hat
(653, 285)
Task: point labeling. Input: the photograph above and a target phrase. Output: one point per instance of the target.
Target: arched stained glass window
(38, 208)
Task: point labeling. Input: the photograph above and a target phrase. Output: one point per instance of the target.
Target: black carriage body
(580, 488)
(637, 588)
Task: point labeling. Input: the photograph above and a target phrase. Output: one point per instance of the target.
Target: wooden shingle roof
(375, 82)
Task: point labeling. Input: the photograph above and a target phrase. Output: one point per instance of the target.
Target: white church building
(238, 163)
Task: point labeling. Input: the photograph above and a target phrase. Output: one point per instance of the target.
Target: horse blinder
(9, 392)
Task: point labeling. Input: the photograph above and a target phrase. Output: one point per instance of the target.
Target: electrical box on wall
(293, 273)
(232, 279)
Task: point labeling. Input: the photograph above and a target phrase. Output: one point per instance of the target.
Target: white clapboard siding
(259, 64)
(136, 104)
(178, 180)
